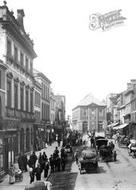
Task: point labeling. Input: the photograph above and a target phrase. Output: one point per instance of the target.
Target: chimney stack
(20, 16)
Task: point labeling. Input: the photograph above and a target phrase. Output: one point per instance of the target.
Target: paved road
(119, 175)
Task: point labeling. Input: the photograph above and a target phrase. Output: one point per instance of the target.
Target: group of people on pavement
(42, 164)
(37, 165)
(58, 160)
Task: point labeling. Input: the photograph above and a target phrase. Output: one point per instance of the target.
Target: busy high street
(67, 95)
(116, 174)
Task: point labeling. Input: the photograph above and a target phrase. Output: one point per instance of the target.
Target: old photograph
(67, 95)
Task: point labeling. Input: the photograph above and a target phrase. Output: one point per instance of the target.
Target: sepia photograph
(67, 95)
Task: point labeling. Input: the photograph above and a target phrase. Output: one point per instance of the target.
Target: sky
(77, 60)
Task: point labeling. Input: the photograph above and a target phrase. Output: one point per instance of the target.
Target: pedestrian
(76, 156)
(40, 160)
(59, 141)
(58, 163)
(63, 163)
(20, 162)
(38, 172)
(44, 159)
(25, 161)
(51, 160)
(12, 174)
(56, 152)
(33, 159)
(46, 169)
(115, 155)
(63, 153)
(31, 174)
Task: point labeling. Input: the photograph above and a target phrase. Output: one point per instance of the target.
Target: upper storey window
(26, 61)
(15, 54)
(21, 58)
(9, 48)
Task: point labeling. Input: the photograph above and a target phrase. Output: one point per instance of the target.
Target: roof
(121, 126)
(90, 99)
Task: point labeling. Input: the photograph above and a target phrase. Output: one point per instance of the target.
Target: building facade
(45, 104)
(89, 115)
(38, 126)
(126, 110)
(52, 107)
(17, 109)
(60, 117)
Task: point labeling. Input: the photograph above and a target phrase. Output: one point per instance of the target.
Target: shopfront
(7, 150)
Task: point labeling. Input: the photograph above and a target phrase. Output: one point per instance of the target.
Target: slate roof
(90, 99)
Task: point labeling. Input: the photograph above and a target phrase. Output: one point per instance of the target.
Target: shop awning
(121, 126)
(113, 124)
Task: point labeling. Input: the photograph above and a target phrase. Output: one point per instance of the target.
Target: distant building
(130, 108)
(38, 127)
(45, 103)
(112, 108)
(16, 90)
(52, 107)
(60, 106)
(89, 115)
(124, 105)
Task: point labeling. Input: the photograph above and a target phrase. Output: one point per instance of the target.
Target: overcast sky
(77, 60)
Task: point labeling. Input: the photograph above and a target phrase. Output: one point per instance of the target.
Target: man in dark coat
(63, 163)
(46, 169)
(25, 161)
(51, 160)
(33, 159)
(38, 172)
(20, 162)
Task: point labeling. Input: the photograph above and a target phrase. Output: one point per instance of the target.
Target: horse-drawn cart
(88, 161)
(106, 151)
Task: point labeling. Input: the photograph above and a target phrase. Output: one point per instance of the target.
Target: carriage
(100, 142)
(88, 161)
(106, 151)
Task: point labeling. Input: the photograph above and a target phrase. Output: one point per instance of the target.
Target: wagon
(88, 161)
(106, 153)
(100, 142)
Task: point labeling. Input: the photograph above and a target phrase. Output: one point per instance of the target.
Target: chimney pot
(20, 15)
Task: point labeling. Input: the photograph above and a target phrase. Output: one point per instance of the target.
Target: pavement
(26, 179)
